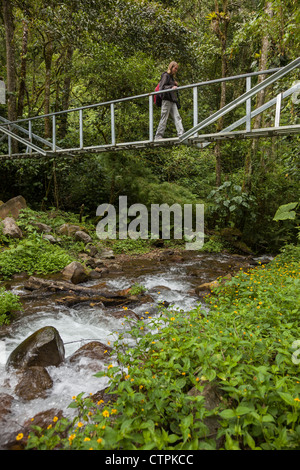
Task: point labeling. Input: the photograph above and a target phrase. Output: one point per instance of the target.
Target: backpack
(157, 98)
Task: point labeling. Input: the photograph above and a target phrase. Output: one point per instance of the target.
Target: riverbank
(221, 373)
(225, 379)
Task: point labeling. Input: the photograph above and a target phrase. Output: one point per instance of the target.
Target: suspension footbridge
(27, 132)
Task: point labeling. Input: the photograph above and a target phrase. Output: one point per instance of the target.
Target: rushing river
(170, 281)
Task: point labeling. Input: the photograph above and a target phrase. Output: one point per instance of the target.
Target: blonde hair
(171, 66)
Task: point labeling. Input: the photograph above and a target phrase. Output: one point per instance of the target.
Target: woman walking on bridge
(170, 102)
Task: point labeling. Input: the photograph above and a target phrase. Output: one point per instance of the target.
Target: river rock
(50, 238)
(207, 286)
(91, 250)
(82, 236)
(10, 228)
(94, 350)
(44, 419)
(107, 254)
(75, 273)
(43, 348)
(68, 229)
(34, 383)
(124, 314)
(42, 228)
(12, 207)
(5, 405)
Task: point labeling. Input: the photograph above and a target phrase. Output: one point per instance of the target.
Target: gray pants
(169, 108)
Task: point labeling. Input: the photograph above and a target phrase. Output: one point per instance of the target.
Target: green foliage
(9, 303)
(286, 211)
(214, 245)
(228, 204)
(33, 255)
(244, 347)
(137, 289)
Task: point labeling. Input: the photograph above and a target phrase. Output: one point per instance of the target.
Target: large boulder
(34, 383)
(94, 350)
(5, 405)
(43, 348)
(12, 207)
(75, 273)
(10, 228)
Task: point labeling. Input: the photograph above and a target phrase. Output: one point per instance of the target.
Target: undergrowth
(245, 347)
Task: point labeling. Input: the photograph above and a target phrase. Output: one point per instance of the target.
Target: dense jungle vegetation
(61, 55)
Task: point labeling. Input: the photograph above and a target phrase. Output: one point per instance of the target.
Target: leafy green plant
(33, 255)
(213, 246)
(137, 289)
(129, 245)
(9, 303)
(286, 211)
(229, 203)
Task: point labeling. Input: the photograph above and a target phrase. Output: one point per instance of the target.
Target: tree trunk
(220, 28)
(22, 86)
(259, 102)
(66, 92)
(48, 55)
(11, 84)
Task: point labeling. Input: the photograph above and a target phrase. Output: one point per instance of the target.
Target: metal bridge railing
(8, 127)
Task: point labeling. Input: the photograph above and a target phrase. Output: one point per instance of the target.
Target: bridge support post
(151, 118)
(195, 108)
(248, 106)
(81, 128)
(278, 110)
(112, 117)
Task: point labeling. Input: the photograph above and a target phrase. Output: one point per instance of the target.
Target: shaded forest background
(61, 55)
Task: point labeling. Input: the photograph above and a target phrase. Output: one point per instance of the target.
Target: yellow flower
(50, 426)
(99, 440)
(55, 419)
(99, 402)
(86, 439)
(19, 436)
(80, 424)
(105, 414)
(114, 411)
(172, 318)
